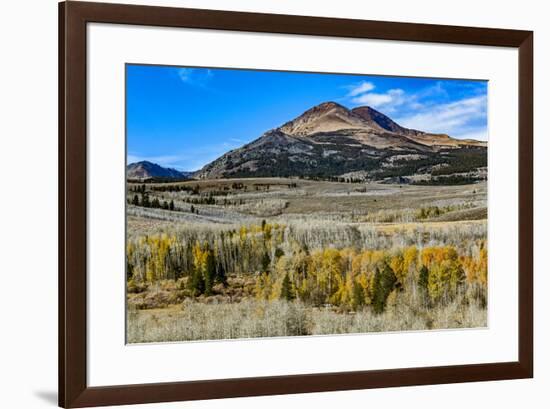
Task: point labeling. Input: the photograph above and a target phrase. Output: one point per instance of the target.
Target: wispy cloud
(463, 118)
(360, 88)
(457, 109)
(396, 99)
(192, 76)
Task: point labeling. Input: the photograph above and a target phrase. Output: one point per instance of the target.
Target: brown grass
(252, 319)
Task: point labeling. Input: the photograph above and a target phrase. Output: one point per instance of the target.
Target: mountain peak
(327, 105)
(378, 119)
(366, 112)
(148, 170)
(324, 108)
(330, 116)
(326, 117)
(143, 163)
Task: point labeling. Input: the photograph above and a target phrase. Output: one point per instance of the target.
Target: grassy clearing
(238, 199)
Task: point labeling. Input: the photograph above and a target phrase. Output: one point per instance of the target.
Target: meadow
(265, 257)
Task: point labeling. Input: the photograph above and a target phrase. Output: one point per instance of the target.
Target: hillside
(145, 170)
(332, 141)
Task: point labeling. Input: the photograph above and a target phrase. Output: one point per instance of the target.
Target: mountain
(330, 140)
(147, 170)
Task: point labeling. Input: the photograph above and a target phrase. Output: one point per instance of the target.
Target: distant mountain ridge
(329, 140)
(146, 170)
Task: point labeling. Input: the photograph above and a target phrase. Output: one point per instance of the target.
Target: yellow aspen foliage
(483, 266)
(356, 265)
(280, 235)
(373, 258)
(242, 233)
(363, 280)
(475, 267)
(444, 279)
(302, 290)
(342, 277)
(199, 257)
(264, 286)
(392, 301)
(276, 278)
(282, 265)
(398, 266)
(347, 255)
(342, 292)
(436, 278)
(438, 254)
(267, 231)
(276, 289)
(149, 274)
(410, 259)
(330, 270)
(470, 268)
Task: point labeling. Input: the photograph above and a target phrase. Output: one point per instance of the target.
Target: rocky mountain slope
(145, 170)
(331, 141)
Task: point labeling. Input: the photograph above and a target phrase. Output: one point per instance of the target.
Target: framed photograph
(254, 204)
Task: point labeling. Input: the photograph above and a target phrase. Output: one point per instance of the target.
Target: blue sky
(186, 117)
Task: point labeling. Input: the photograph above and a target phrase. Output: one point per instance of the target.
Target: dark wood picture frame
(73, 388)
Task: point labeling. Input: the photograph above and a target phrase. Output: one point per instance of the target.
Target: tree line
(143, 200)
(347, 278)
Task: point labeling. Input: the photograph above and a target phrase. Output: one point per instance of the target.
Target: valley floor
(265, 257)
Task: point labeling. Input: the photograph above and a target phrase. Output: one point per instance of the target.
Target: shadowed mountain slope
(330, 140)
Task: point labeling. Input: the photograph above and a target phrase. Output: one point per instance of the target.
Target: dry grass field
(264, 257)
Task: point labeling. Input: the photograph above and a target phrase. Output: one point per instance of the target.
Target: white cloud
(388, 100)
(427, 109)
(360, 88)
(458, 118)
(360, 94)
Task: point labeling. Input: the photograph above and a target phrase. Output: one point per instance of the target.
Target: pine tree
(171, 205)
(266, 261)
(135, 200)
(287, 293)
(357, 296)
(383, 285)
(196, 283)
(221, 276)
(422, 282)
(377, 299)
(209, 271)
(145, 200)
(457, 278)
